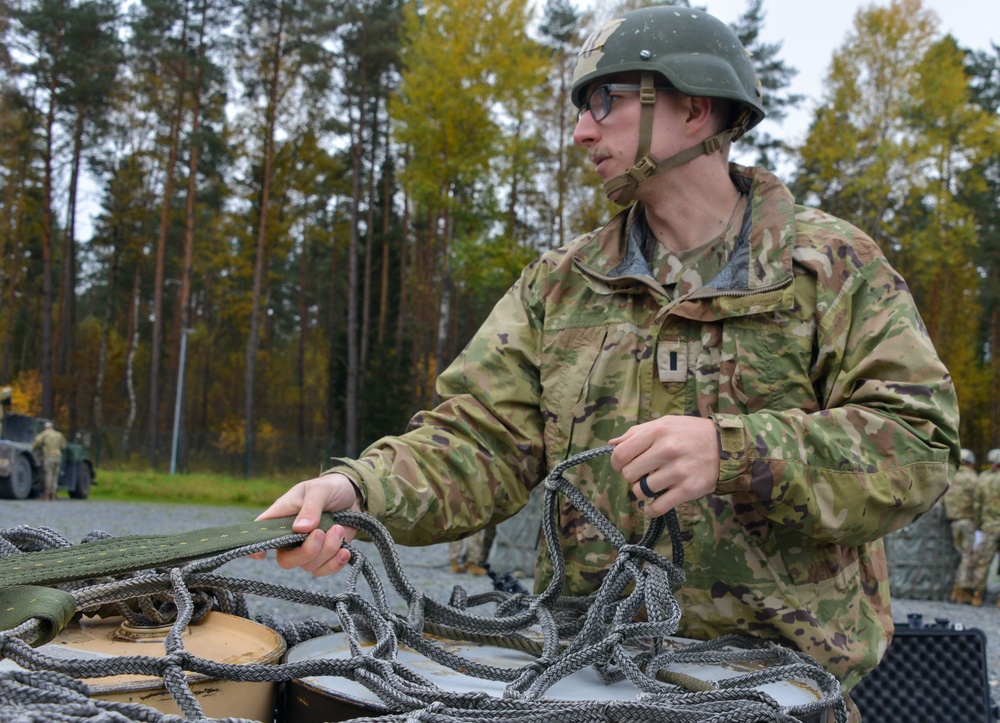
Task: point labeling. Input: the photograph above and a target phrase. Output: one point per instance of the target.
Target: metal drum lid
(218, 637)
(583, 685)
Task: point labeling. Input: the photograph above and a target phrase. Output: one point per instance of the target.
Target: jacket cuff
(366, 483)
(734, 454)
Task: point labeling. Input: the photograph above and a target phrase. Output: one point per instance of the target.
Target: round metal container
(318, 699)
(218, 637)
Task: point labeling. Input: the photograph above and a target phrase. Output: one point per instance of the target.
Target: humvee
(21, 474)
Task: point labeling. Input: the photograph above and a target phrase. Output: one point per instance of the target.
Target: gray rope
(600, 631)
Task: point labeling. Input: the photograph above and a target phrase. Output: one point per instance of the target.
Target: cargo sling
(24, 594)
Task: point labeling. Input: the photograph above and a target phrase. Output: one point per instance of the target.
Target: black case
(936, 674)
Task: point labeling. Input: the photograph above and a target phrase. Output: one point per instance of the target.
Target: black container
(931, 672)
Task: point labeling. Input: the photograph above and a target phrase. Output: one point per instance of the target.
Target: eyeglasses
(599, 102)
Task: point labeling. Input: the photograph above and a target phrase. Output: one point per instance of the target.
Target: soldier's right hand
(321, 553)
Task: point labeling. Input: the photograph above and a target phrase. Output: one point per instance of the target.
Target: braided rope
(600, 631)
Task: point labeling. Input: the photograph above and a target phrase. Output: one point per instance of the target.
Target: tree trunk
(67, 312)
(994, 333)
(404, 286)
(48, 395)
(158, 283)
(102, 352)
(14, 275)
(258, 269)
(181, 318)
(383, 298)
(369, 242)
(300, 362)
(333, 303)
(444, 304)
(562, 154)
(133, 346)
(353, 371)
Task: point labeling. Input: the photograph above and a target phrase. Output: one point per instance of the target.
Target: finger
(334, 564)
(286, 505)
(666, 501)
(305, 553)
(329, 555)
(622, 437)
(628, 455)
(349, 533)
(315, 499)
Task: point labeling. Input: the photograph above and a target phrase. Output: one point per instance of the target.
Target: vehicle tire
(18, 485)
(83, 479)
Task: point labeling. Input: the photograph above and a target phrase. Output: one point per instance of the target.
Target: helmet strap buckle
(711, 145)
(642, 170)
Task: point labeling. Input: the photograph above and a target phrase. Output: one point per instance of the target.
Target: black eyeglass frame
(603, 93)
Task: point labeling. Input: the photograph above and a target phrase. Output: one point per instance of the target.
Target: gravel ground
(426, 568)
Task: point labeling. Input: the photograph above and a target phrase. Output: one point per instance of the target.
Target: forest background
(307, 207)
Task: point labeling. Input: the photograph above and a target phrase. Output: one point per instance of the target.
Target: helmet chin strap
(621, 189)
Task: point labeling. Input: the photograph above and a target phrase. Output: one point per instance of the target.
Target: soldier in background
(961, 503)
(989, 523)
(50, 442)
(468, 554)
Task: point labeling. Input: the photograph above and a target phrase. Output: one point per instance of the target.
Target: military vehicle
(21, 474)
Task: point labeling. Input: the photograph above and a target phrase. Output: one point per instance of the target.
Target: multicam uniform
(837, 419)
(961, 505)
(468, 553)
(51, 443)
(989, 523)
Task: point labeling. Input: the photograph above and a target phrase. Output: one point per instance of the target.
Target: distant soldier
(961, 506)
(989, 523)
(5, 396)
(51, 443)
(468, 554)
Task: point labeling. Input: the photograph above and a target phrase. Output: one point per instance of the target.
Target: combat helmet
(968, 456)
(695, 52)
(993, 456)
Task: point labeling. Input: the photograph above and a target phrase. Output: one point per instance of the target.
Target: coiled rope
(600, 631)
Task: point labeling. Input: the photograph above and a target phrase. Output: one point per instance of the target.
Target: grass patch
(192, 489)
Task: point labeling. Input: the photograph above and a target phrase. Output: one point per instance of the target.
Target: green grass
(200, 489)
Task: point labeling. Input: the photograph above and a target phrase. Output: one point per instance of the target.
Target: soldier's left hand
(677, 455)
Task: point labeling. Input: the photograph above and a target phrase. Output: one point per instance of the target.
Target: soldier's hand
(668, 461)
(321, 553)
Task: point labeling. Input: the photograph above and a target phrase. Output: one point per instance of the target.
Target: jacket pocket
(754, 377)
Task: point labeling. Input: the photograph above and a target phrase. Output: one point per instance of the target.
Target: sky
(810, 31)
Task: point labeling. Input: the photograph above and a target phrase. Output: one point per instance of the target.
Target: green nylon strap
(55, 608)
(118, 555)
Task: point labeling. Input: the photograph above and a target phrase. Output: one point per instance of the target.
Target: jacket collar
(762, 258)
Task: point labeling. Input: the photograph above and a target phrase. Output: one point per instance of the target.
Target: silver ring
(644, 486)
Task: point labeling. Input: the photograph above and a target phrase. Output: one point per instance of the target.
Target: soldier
(468, 554)
(756, 364)
(51, 443)
(989, 523)
(961, 503)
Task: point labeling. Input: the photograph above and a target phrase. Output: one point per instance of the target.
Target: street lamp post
(177, 403)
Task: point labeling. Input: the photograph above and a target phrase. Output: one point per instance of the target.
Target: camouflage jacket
(989, 499)
(838, 422)
(51, 443)
(961, 501)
